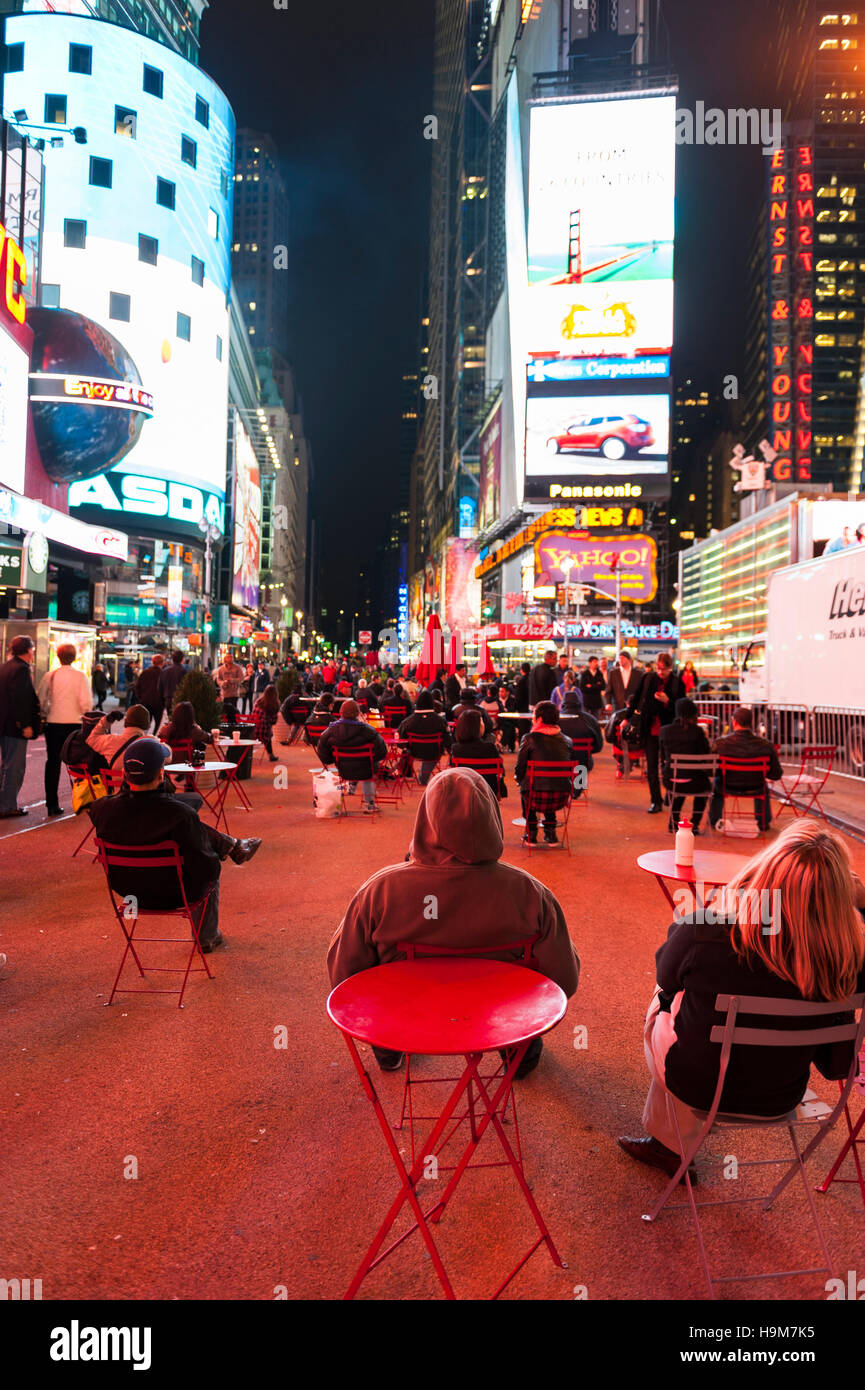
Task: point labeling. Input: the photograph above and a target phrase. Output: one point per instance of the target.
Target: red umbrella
(432, 654)
(485, 666)
(456, 656)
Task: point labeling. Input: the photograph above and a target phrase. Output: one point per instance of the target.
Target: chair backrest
(819, 753)
(181, 750)
(78, 772)
(418, 950)
(683, 766)
(425, 746)
(557, 770)
(582, 745)
(314, 731)
(113, 779)
(491, 769)
(393, 715)
(758, 768)
(298, 715)
(164, 856)
(354, 764)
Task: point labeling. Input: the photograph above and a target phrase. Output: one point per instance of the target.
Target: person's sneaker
(654, 809)
(529, 840)
(244, 850)
(208, 946)
(370, 808)
(55, 811)
(550, 837)
(656, 1155)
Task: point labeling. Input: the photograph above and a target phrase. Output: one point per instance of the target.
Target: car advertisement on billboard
(599, 439)
(247, 521)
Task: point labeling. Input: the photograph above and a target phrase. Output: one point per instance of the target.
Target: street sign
(365, 637)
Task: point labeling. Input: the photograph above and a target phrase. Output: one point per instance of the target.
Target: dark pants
(762, 807)
(156, 712)
(426, 772)
(13, 765)
(55, 737)
(531, 818)
(676, 810)
(222, 844)
(652, 750)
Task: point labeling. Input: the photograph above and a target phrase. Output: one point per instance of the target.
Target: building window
(218, 348)
(152, 81)
(223, 183)
(81, 59)
(125, 122)
(15, 57)
(148, 249)
(165, 191)
(184, 327)
(188, 151)
(118, 306)
(49, 296)
(202, 111)
(55, 109)
(100, 172)
(74, 233)
(213, 222)
(197, 271)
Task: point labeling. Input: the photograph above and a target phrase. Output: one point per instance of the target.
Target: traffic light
(488, 610)
(208, 620)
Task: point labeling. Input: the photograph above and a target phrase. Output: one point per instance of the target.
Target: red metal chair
(585, 747)
(852, 1143)
(756, 769)
(491, 769)
(419, 950)
(313, 731)
(296, 721)
(542, 800)
(393, 715)
(733, 1034)
(164, 857)
(808, 780)
(353, 765)
(424, 748)
(390, 776)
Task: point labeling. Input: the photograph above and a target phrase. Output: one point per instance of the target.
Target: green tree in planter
(288, 682)
(199, 689)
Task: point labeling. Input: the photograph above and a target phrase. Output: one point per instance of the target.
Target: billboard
(247, 521)
(14, 369)
(489, 486)
(580, 558)
(599, 305)
(462, 600)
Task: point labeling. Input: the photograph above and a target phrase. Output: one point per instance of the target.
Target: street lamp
(210, 533)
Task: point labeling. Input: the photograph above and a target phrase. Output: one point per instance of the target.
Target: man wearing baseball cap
(147, 812)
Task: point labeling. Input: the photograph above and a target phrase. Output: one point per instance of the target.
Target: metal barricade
(789, 727)
(843, 729)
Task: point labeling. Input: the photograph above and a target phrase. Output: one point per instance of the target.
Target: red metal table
(711, 869)
(447, 1007)
(214, 797)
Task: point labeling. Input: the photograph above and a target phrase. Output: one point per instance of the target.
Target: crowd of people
(647, 713)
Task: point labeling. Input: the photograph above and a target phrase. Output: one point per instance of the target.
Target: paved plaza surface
(261, 1170)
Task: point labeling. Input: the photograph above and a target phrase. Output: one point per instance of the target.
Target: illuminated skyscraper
(259, 252)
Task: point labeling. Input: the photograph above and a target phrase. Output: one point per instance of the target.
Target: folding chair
(181, 752)
(852, 1143)
(353, 765)
(164, 858)
(586, 748)
(393, 715)
(424, 748)
(415, 950)
(491, 769)
(80, 772)
(808, 780)
(558, 799)
(296, 721)
(313, 732)
(390, 775)
(733, 1034)
(757, 768)
(683, 768)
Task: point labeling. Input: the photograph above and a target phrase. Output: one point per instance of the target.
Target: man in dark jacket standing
(20, 721)
(743, 745)
(148, 689)
(542, 681)
(592, 682)
(622, 682)
(656, 698)
(349, 734)
(545, 743)
(521, 689)
(454, 687)
(147, 813)
(170, 679)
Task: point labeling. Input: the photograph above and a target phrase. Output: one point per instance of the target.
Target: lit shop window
(55, 109)
(824, 340)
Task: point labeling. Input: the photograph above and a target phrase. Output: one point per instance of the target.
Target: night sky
(343, 88)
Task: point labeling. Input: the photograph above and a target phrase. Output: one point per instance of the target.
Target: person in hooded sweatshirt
(455, 857)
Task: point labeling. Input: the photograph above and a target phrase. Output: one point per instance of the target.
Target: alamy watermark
(735, 126)
(711, 909)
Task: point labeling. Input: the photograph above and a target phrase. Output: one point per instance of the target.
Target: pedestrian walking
(20, 722)
(99, 683)
(64, 696)
(148, 689)
(264, 713)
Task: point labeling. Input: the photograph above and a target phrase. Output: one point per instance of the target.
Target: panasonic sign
(181, 504)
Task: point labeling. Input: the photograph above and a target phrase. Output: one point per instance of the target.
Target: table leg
(220, 792)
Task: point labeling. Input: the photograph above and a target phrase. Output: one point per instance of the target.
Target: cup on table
(235, 737)
(216, 735)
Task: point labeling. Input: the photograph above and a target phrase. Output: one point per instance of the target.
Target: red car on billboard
(614, 436)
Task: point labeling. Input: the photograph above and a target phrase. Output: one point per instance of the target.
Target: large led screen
(247, 521)
(596, 438)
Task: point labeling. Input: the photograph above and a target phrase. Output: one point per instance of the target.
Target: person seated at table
(470, 743)
(455, 860)
(365, 698)
(264, 716)
(568, 686)
(684, 736)
(469, 700)
(813, 949)
(136, 722)
(393, 700)
(427, 722)
(182, 728)
(147, 812)
(76, 751)
(576, 723)
(350, 734)
(544, 743)
(743, 745)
